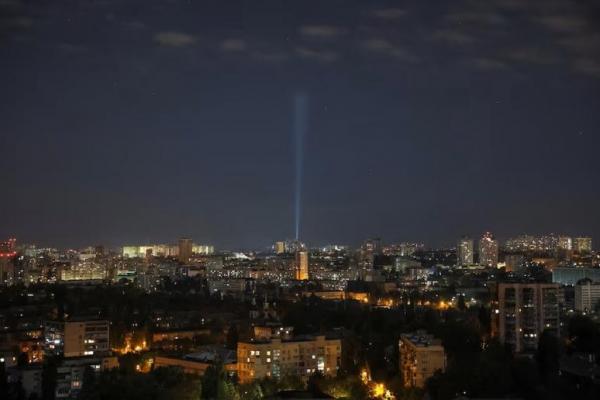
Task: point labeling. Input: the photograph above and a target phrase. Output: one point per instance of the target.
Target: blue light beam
(300, 126)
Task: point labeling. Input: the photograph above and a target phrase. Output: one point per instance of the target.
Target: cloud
(489, 64)
(174, 39)
(322, 31)
(383, 46)
(586, 44)
(478, 18)
(588, 67)
(532, 56)
(563, 23)
(271, 57)
(10, 3)
(452, 37)
(16, 23)
(233, 45)
(134, 25)
(323, 56)
(71, 48)
(388, 13)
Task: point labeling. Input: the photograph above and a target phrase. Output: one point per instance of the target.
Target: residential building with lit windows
(582, 245)
(301, 265)
(77, 338)
(421, 355)
(488, 251)
(301, 356)
(70, 373)
(522, 311)
(587, 295)
(464, 251)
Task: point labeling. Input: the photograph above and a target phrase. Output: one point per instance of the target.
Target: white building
(587, 295)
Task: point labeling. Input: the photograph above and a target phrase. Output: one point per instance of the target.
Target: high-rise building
(279, 247)
(582, 245)
(368, 251)
(301, 265)
(275, 358)
(7, 268)
(185, 250)
(488, 251)
(587, 295)
(464, 251)
(421, 355)
(523, 311)
(77, 338)
(565, 243)
(203, 249)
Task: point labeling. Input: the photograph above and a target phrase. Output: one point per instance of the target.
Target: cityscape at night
(302, 199)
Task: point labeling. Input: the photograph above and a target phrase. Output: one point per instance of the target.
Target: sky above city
(138, 121)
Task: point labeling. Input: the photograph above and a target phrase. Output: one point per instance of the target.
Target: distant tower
(488, 251)
(279, 247)
(185, 250)
(7, 268)
(464, 251)
(582, 245)
(301, 265)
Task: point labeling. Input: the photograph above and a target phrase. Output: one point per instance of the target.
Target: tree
(232, 337)
(3, 382)
(49, 372)
(210, 381)
(548, 354)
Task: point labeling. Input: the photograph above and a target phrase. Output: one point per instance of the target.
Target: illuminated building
(185, 250)
(368, 251)
(523, 311)
(582, 245)
(166, 250)
(274, 358)
(7, 268)
(76, 338)
(83, 271)
(301, 265)
(565, 243)
(279, 247)
(203, 249)
(514, 262)
(267, 332)
(587, 295)
(232, 285)
(70, 373)
(464, 251)
(421, 355)
(536, 244)
(488, 251)
(403, 249)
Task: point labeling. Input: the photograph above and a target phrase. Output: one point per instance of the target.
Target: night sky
(127, 122)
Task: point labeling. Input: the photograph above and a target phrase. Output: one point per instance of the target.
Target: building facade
(587, 295)
(275, 358)
(185, 250)
(523, 311)
(301, 265)
(421, 355)
(488, 251)
(77, 338)
(582, 245)
(464, 251)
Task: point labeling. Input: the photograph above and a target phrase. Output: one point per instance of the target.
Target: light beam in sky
(300, 126)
